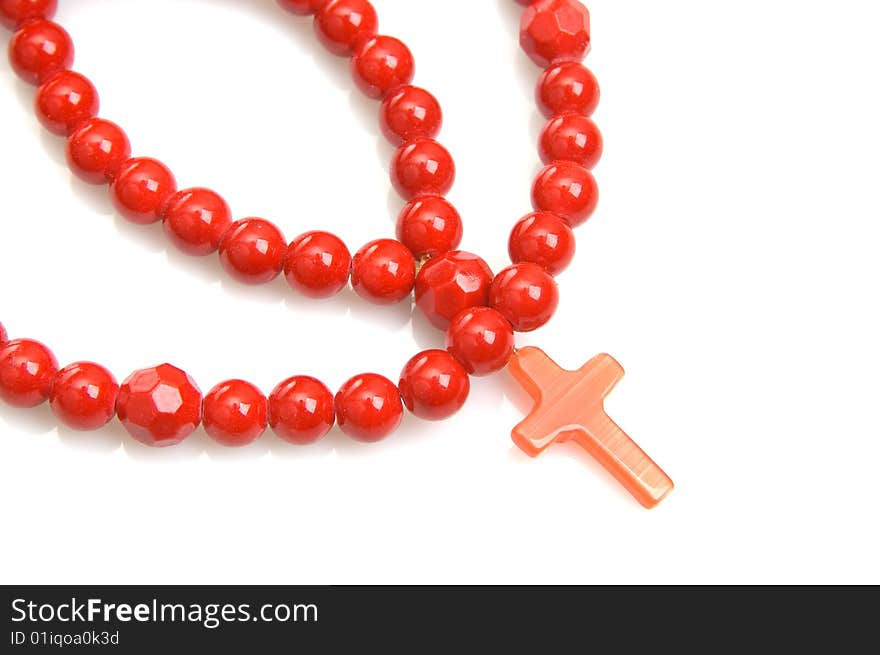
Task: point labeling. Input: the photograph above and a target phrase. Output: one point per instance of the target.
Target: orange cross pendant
(570, 405)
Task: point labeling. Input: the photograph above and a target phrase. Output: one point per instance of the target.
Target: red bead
(341, 25)
(409, 113)
(422, 167)
(96, 150)
(15, 12)
(302, 7)
(159, 406)
(525, 295)
(140, 189)
(234, 413)
(381, 64)
(65, 100)
(429, 226)
(301, 410)
(83, 396)
(40, 49)
(571, 137)
(27, 369)
(434, 385)
(450, 283)
(368, 407)
(195, 220)
(555, 30)
(567, 87)
(383, 272)
(481, 339)
(567, 190)
(543, 239)
(252, 251)
(317, 264)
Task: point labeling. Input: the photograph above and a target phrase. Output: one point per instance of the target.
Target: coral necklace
(162, 405)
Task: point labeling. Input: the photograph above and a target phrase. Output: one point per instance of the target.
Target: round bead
(383, 272)
(301, 410)
(317, 264)
(40, 49)
(140, 189)
(450, 283)
(567, 87)
(96, 150)
(341, 25)
(27, 369)
(434, 385)
(555, 30)
(83, 396)
(422, 167)
(65, 100)
(381, 64)
(234, 413)
(252, 251)
(429, 226)
(481, 339)
(525, 295)
(159, 406)
(4, 337)
(195, 220)
(368, 407)
(302, 7)
(567, 190)
(543, 239)
(409, 113)
(15, 12)
(571, 137)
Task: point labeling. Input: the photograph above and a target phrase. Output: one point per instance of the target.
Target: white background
(732, 268)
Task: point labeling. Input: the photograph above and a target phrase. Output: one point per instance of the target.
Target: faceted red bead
(317, 264)
(422, 167)
(301, 410)
(567, 190)
(567, 87)
(450, 283)
(159, 406)
(195, 220)
(341, 25)
(83, 396)
(140, 189)
(525, 295)
(368, 407)
(429, 226)
(381, 64)
(40, 49)
(27, 369)
(234, 413)
(543, 239)
(96, 150)
(383, 272)
(302, 7)
(409, 113)
(252, 251)
(555, 30)
(481, 339)
(434, 385)
(15, 12)
(571, 137)
(65, 100)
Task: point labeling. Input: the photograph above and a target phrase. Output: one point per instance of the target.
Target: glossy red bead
(481, 339)
(15, 12)
(368, 407)
(381, 64)
(422, 167)
(27, 369)
(383, 272)
(252, 251)
(543, 239)
(65, 100)
(235, 413)
(526, 295)
(429, 226)
(96, 150)
(555, 30)
(567, 87)
(342, 25)
(140, 189)
(159, 406)
(302, 7)
(571, 137)
(40, 49)
(409, 113)
(317, 264)
(450, 283)
(434, 385)
(195, 220)
(301, 410)
(83, 396)
(567, 190)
